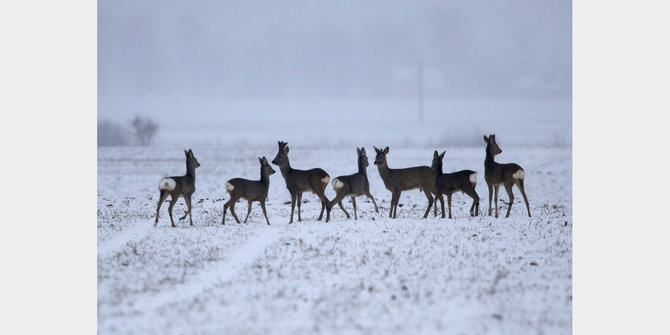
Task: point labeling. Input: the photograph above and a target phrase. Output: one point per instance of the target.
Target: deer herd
(429, 180)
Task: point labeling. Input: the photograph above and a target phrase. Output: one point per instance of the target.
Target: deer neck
(285, 168)
(265, 178)
(362, 169)
(438, 170)
(489, 160)
(384, 170)
(190, 172)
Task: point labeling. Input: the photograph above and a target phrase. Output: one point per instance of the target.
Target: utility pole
(420, 75)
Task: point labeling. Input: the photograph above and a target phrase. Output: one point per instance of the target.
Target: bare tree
(112, 134)
(144, 129)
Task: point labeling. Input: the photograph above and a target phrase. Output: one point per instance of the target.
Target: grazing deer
(398, 180)
(250, 190)
(354, 185)
(502, 174)
(299, 181)
(450, 183)
(183, 186)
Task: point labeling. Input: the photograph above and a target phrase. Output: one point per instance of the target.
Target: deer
(398, 180)
(497, 174)
(250, 190)
(179, 186)
(352, 185)
(300, 181)
(450, 183)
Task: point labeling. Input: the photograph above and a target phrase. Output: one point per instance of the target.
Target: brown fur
(497, 174)
(185, 186)
(398, 180)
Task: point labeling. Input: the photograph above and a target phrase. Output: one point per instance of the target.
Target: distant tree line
(139, 131)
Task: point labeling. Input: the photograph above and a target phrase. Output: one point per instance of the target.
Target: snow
(374, 275)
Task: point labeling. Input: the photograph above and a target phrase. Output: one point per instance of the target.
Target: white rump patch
(229, 187)
(167, 184)
(325, 179)
(519, 174)
(337, 184)
(473, 178)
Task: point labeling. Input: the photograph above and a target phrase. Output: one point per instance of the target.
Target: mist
(199, 64)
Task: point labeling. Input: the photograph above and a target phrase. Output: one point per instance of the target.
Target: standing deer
(299, 181)
(250, 190)
(450, 183)
(502, 174)
(398, 180)
(183, 186)
(354, 185)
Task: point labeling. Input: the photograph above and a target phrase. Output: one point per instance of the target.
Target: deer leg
(324, 202)
(173, 201)
(394, 203)
(441, 198)
(496, 198)
(474, 209)
(229, 204)
(264, 213)
(373, 201)
(449, 203)
(188, 204)
(395, 209)
(523, 193)
(248, 210)
(508, 188)
(225, 209)
(429, 196)
(353, 200)
(322, 195)
(232, 209)
(330, 206)
(293, 198)
(490, 195)
(337, 200)
(161, 200)
(188, 208)
(344, 210)
(299, 203)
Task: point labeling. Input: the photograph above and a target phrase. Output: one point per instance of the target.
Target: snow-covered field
(375, 275)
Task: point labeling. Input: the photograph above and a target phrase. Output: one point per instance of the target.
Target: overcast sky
(371, 49)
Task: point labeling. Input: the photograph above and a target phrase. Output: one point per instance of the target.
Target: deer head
(437, 161)
(282, 154)
(191, 161)
(380, 158)
(266, 169)
(362, 157)
(491, 145)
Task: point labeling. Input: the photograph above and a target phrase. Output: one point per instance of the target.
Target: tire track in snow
(136, 232)
(218, 273)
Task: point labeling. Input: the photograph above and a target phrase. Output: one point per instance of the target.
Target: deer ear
(435, 154)
(363, 150)
(493, 136)
(486, 139)
(386, 150)
(376, 150)
(442, 154)
(185, 152)
(358, 151)
(260, 160)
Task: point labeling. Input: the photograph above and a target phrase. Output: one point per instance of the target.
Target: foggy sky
(252, 49)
